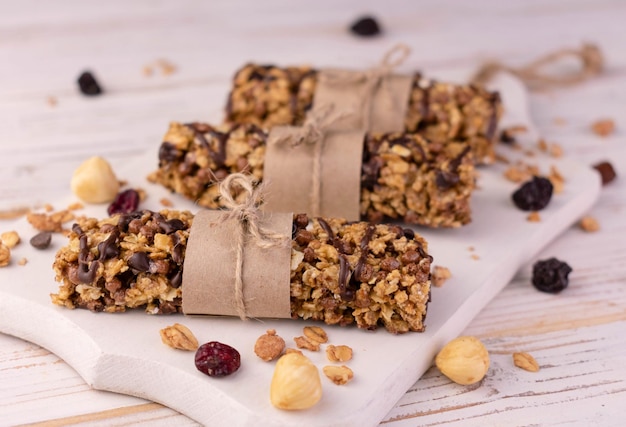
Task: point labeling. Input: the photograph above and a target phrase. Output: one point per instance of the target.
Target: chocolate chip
(88, 274)
(445, 179)
(176, 278)
(88, 84)
(108, 248)
(41, 240)
(139, 261)
(607, 173)
(169, 153)
(177, 254)
(366, 26)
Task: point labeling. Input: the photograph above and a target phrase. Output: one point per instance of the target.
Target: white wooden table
(47, 129)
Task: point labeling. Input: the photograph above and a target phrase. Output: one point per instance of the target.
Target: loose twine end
(246, 212)
(590, 56)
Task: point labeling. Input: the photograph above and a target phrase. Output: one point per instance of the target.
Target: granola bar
(403, 176)
(341, 273)
(268, 96)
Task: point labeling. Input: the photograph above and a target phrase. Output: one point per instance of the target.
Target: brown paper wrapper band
(237, 261)
(380, 97)
(310, 169)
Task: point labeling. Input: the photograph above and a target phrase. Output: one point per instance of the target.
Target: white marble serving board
(124, 353)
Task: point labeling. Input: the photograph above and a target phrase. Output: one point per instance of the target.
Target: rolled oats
(5, 255)
(179, 336)
(340, 375)
(315, 333)
(339, 353)
(440, 275)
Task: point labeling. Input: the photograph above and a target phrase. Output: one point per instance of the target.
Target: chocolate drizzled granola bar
(403, 176)
(341, 273)
(268, 96)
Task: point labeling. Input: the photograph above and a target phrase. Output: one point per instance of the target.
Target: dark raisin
(216, 359)
(533, 195)
(41, 240)
(88, 84)
(366, 26)
(125, 202)
(550, 275)
(607, 173)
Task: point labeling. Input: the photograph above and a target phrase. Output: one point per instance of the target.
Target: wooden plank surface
(577, 336)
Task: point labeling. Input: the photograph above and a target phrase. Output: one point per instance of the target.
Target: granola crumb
(556, 179)
(166, 202)
(475, 257)
(179, 336)
(525, 361)
(142, 194)
(589, 224)
(22, 261)
(52, 101)
(340, 375)
(533, 217)
(440, 275)
(167, 68)
(559, 121)
(555, 150)
(5, 255)
(14, 213)
(542, 145)
(10, 238)
(603, 127)
(75, 206)
(53, 222)
(147, 70)
(48, 207)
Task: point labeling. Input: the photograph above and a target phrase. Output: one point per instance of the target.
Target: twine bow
(312, 132)
(374, 78)
(590, 56)
(246, 213)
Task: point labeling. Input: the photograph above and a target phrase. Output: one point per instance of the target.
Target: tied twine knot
(374, 78)
(590, 56)
(247, 214)
(312, 132)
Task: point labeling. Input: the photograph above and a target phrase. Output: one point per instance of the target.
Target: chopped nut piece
(5, 255)
(525, 361)
(10, 238)
(269, 346)
(604, 127)
(439, 275)
(533, 217)
(589, 224)
(180, 337)
(307, 343)
(315, 333)
(339, 353)
(464, 360)
(296, 383)
(340, 375)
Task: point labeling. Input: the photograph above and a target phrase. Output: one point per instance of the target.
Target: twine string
(374, 78)
(590, 57)
(312, 132)
(247, 214)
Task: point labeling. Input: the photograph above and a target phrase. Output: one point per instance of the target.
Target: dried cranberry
(550, 275)
(125, 202)
(217, 360)
(88, 84)
(366, 26)
(533, 195)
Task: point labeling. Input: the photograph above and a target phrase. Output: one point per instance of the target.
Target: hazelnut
(94, 181)
(464, 360)
(296, 383)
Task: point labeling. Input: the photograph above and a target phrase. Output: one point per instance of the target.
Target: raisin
(550, 275)
(533, 195)
(216, 359)
(607, 173)
(366, 26)
(88, 84)
(125, 202)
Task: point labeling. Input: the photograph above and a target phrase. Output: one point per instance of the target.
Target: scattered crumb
(14, 213)
(559, 121)
(557, 180)
(122, 182)
(10, 238)
(533, 217)
(542, 145)
(476, 257)
(502, 159)
(22, 261)
(529, 153)
(48, 207)
(52, 101)
(471, 248)
(507, 135)
(439, 275)
(589, 224)
(556, 150)
(53, 222)
(5, 255)
(166, 66)
(147, 70)
(166, 202)
(142, 194)
(603, 127)
(75, 206)
(520, 173)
